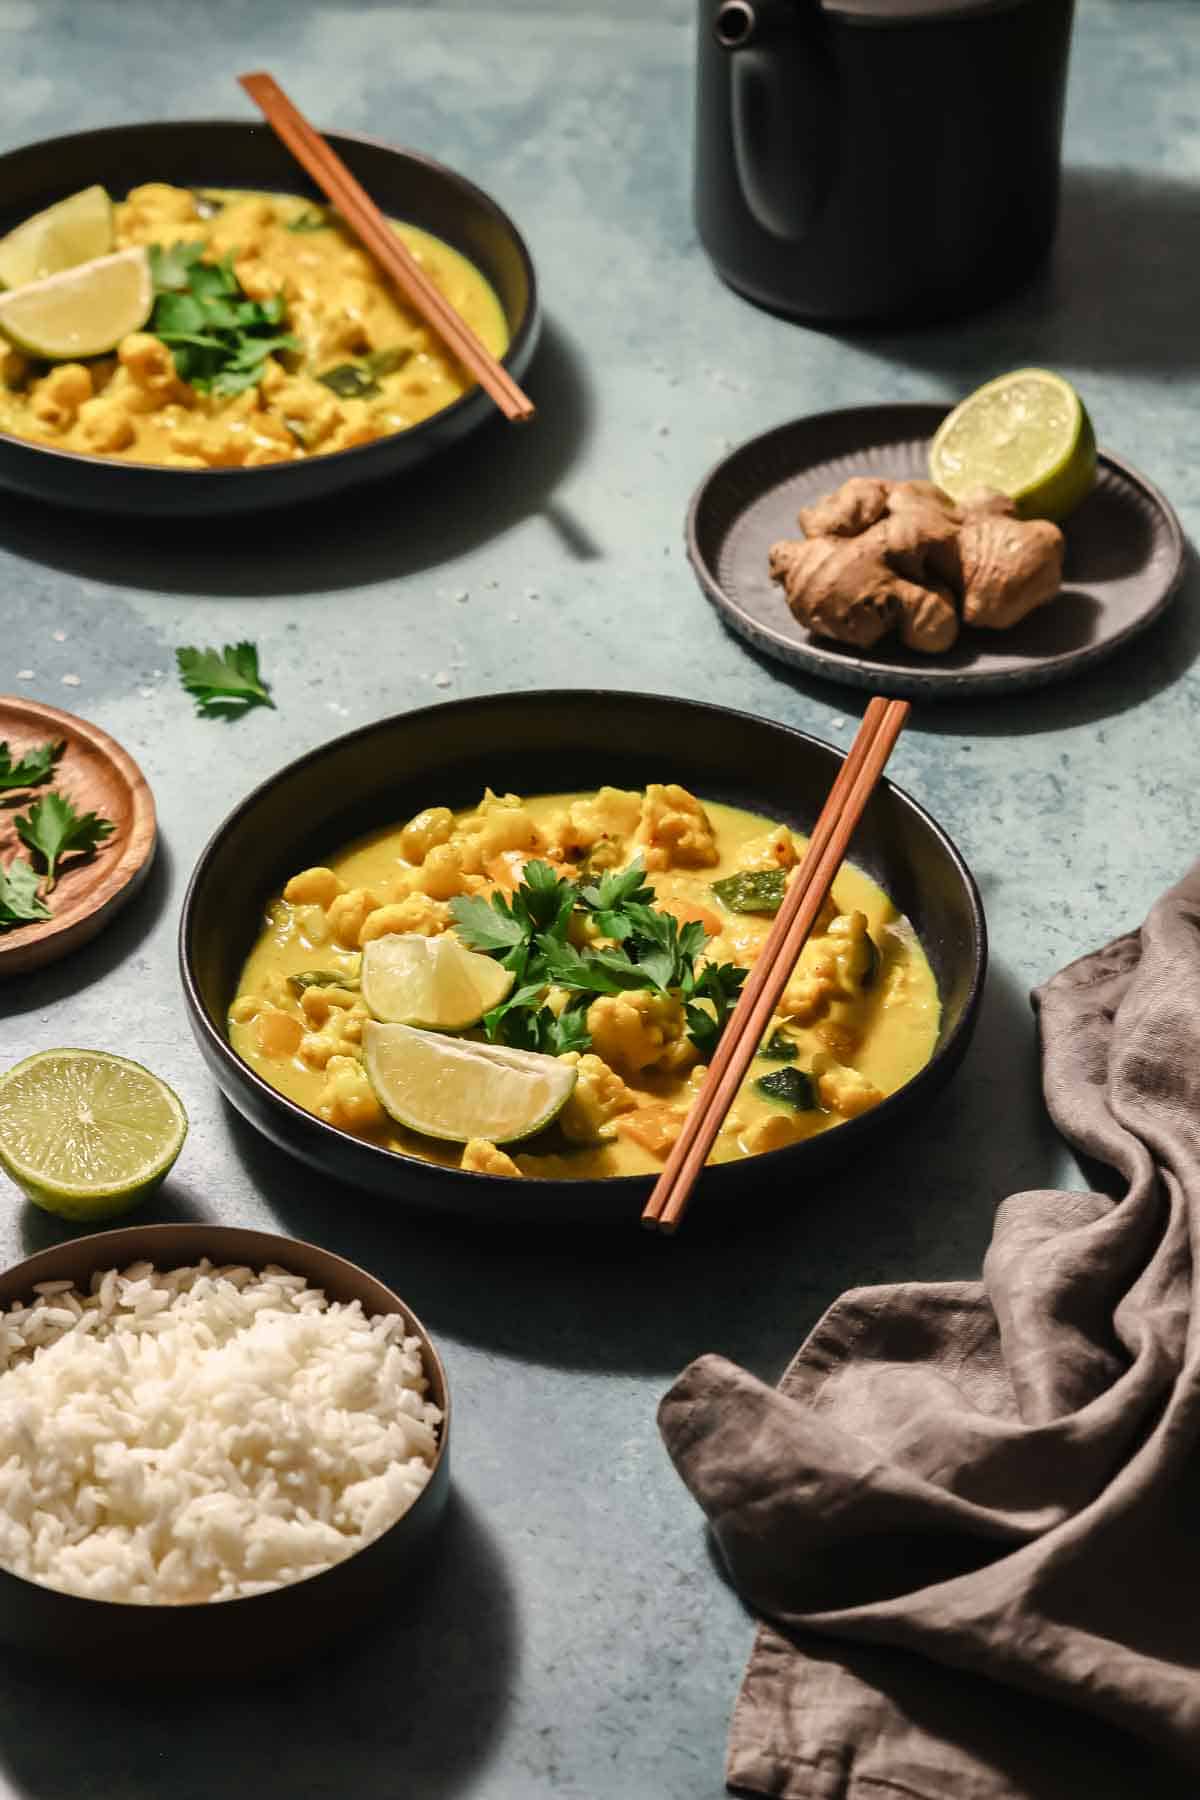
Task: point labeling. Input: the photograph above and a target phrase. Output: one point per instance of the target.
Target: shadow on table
(1117, 292)
(118, 943)
(470, 494)
(414, 1705)
(1135, 673)
(748, 1284)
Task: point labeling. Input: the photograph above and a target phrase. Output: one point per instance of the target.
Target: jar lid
(913, 12)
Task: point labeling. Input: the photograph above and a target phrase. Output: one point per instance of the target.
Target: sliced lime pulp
(86, 1134)
(1026, 435)
(74, 230)
(432, 982)
(85, 311)
(451, 1088)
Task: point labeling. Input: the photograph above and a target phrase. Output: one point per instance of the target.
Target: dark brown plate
(97, 776)
(1124, 560)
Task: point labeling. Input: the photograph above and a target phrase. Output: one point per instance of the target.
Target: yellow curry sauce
(862, 1024)
(133, 406)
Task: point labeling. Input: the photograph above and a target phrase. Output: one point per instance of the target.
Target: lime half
(1027, 435)
(450, 1088)
(87, 1135)
(433, 982)
(82, 312)
(76, 230)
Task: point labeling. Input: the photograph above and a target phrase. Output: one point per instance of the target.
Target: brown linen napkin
(969, 1501)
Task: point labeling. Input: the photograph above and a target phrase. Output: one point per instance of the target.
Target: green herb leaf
(226, 683)
(308, 978)
(220, 339)
(356, 380)
(52, 828)
(709, 999)
(752, 890)
(19, 899)
(779, 1047)
(616, 889)
(793, 1087)
(307, 221)
(487, 925)
(35, 767)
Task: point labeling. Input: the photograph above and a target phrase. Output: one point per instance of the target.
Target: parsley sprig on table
(52, 829)
(223, 683)
(528, 933)
(219, 337)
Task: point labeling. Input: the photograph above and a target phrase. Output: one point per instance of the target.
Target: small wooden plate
(97, 776)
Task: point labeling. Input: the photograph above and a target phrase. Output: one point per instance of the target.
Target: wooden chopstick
(372, 229)
(803, 899)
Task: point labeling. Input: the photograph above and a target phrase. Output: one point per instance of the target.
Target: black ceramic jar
(878, 159)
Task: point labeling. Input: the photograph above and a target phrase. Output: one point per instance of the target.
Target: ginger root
(883, 555)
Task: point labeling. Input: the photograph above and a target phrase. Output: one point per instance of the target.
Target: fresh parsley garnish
(225, 683)
(35, 767)
(219, 337)
(53, 829)
(19, 899)
(649, 949)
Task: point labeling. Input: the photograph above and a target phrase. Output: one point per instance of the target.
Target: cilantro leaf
(52, 829)
(717, 984)
(35, 767)
(487, 925)
(219, 337)
(19, 899)
(223, 684)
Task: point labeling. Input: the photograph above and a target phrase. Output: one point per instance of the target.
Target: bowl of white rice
(218, 1449)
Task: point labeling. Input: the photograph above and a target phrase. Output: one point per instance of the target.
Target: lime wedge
(87, 1135)
(1027, 435)
(85, 311)
(73, 231)
(451, 1088)
(432, 982)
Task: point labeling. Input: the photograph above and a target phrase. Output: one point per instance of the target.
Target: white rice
(203, 1434)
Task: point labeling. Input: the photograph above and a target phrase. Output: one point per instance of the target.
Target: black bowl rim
(520, 338)
(202, 1233)
(289, 1109)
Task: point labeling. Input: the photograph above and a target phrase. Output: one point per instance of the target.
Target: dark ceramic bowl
(227, 1637)
(227, 153)
(538, 743)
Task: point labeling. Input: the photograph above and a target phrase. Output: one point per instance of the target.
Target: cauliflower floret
(770, 1133)
(348, 914)
(775, 850)
(610, 813)
(675, 829)
(483, 1158)
(150, 366)
(445, 873)
(599, 1096)
(347, 1099)
(317, 887)
(635, 1031)
(836, 966)
(105, 426)
(844, 1090)
(318, 1003)
(854, 952)
(417, 913)
(500, 823)
(433, 826)
(56, 399)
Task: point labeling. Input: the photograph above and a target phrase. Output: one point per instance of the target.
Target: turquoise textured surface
(575, 1638)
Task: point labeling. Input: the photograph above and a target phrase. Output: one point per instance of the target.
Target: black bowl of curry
(183, 416)
(626, 850)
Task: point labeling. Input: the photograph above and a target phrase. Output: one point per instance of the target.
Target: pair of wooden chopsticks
(803, 899)
(373, 231)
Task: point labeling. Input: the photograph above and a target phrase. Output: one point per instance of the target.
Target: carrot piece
(654, 1127)
(690, 909)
